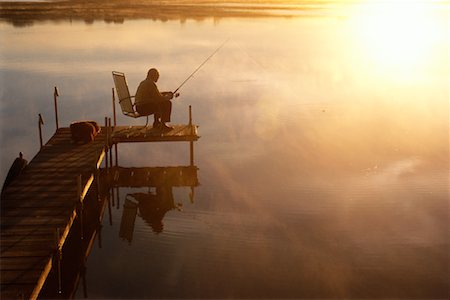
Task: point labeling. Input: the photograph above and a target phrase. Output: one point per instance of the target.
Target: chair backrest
(124, 94)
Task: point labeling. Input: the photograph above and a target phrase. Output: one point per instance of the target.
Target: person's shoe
(164, 126)
(156, 124)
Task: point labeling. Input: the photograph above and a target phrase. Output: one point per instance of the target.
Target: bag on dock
(84, 131)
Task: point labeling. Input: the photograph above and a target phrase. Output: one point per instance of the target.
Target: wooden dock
(136, 134)
(39, 207)
(139, 134)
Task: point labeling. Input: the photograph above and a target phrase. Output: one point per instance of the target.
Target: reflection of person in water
(153, 207)
(150, 101)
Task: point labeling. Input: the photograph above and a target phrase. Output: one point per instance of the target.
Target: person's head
(153, 74)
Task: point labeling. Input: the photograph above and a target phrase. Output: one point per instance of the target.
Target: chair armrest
(123, 99)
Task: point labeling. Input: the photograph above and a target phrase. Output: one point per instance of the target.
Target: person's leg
(157, 119)
(165, 110)
(149, 109)
(146, 109)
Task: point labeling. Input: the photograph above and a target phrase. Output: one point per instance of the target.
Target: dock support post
(109, 208)
(80, 207)
(55, 98)
(110, 141)
(191, 142)
(58, 257)
(40, 123)
(118, 199)
(97, 181)
(111, 192)
(116, 153)
(114, 107)
(106, 146)
(115, 123)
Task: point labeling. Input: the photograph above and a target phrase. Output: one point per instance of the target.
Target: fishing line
(201, 65)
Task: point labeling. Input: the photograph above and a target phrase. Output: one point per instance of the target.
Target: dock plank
(22, 263)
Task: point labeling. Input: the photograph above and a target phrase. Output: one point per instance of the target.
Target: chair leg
(146, 123)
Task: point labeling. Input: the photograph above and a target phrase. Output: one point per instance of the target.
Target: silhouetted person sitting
(150, 101)
(153, 207)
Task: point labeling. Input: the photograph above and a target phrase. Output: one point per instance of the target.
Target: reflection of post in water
(154, 204)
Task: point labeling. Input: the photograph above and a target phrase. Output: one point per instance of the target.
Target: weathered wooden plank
(139, 134)
(55, 199)
(8, 223)
(141, 139)
(34, 212)
(16, 291)
(23, 263)
(37, 178)
(26, 252)
(27, 242)
(57, 172)
(47, 188)
(45, 175)
(43, 181)
(60, 166)
(10, 239)
(22, 276)
(24, 231)
(31, 219)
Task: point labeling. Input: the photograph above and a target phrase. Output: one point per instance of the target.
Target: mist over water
(323, 157)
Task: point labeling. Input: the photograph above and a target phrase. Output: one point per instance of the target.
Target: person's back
(150, 101)
(147, 92)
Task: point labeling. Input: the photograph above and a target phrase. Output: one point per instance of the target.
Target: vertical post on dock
(115, 124)
(106, 146)
(80, 203)
(110, 141)
(97, 180)
(114, 107)
(40, 123)
(191, 142)
(116, 155)
(55, 98)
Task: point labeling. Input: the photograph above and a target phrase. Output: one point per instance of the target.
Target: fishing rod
(198, 68)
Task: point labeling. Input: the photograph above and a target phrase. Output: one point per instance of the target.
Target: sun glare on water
(399, 36)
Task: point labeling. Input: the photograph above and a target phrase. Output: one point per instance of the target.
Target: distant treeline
(117, 11)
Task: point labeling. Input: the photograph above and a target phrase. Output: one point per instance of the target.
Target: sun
(397, 35)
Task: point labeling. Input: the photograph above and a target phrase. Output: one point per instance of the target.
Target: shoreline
(117, 11)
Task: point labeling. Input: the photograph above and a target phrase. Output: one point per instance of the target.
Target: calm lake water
(323, 159)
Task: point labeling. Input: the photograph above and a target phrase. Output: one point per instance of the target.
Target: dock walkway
(38, 209)
(40, 206)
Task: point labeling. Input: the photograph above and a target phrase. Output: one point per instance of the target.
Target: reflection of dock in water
(154, 176)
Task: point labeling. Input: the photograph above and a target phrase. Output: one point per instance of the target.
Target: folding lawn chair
(127, 106)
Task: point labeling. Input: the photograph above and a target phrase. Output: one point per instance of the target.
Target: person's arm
(155, 95)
